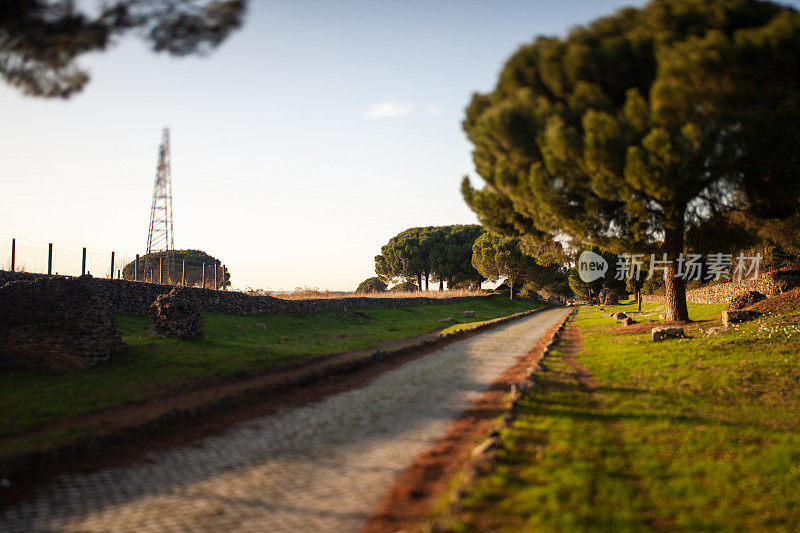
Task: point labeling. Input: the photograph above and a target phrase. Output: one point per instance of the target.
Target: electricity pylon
(160, 236)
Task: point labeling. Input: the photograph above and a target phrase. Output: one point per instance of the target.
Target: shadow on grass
(579, 410)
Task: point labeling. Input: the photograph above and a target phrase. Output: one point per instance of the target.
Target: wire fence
(21, 255)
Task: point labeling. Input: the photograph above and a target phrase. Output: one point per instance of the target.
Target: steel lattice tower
(160, 236)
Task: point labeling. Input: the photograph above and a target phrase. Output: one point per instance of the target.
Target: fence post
(183, 272)
(13, 253)
(111, 275)
(215, 276)
(83, 263)
(160, 271)
(204, 275)
(50, 259)
(136, 268)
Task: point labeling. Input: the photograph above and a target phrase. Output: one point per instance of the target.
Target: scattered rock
(667, 332)
(784, 280)
(517, 390)
(715, 330)
(619, 316)
(486, 446)
(55, 323)
(260, 325)
(734, 317)
(628, 321)
(469, 313)
(445, 320)
(745, 299)
(176, 315)
(357, 315)
(608, 297)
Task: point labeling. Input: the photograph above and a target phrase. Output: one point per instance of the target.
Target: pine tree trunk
(675, 287)
(426, 281)
(511, 289)
(419, 281)
(441, 285)
(639, 300)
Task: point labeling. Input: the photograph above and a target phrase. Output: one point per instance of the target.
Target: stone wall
(135, 297)
(55, 323)
(770, 284)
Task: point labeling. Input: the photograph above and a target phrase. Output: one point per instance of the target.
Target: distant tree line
(440, 254)
(463, 256)
(172, 263)
(373, 284)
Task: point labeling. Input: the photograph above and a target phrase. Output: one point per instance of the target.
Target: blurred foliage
(40, 40)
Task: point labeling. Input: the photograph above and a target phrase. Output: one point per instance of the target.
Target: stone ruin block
(745, 299)
(783, 280)
(55, 323)
(176, 314)
(667, 332)
(734, 317)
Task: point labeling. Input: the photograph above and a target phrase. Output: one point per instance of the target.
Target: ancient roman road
(320, 467)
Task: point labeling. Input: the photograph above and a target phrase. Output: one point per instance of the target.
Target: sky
(299, 147)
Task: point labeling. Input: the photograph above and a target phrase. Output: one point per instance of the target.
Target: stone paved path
(321, 467)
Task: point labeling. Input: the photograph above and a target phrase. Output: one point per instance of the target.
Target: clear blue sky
(305, 142)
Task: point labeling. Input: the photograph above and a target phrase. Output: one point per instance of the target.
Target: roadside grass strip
(624, 434)
(234, 347)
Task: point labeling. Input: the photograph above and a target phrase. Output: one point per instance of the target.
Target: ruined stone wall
(135, 297)
(770, 284)
(55, 323)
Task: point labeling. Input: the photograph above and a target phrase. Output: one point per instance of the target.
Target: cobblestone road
(321, 467)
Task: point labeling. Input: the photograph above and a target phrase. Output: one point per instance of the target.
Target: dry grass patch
(313, 293)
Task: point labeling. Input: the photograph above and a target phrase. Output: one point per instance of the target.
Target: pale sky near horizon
(299, 147)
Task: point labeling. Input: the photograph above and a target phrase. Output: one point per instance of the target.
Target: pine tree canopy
(443, 253)
(41, 39)
(642, 125)
(498, 257)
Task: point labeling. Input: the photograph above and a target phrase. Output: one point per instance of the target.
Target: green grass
(234, 347)
(473, 323)
(700, 434)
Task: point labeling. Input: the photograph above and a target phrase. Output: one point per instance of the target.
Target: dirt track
(322, 467)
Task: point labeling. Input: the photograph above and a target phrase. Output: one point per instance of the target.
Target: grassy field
(698, 434)
(475, 322)
(233, 347)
